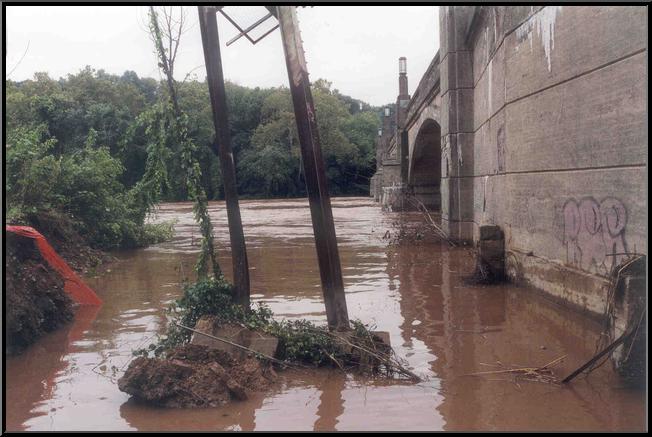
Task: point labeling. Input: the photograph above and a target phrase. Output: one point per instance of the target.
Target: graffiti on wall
(594, 233)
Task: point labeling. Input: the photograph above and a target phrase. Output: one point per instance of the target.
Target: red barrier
(74, 286)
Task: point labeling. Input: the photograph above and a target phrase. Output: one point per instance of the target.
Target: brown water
(444, 329)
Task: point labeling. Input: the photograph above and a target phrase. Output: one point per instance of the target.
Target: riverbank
(36, 302)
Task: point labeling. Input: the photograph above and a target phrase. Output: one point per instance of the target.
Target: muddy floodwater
(444, 329)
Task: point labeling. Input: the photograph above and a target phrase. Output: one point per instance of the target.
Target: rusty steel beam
(215, 78)
(313, 164)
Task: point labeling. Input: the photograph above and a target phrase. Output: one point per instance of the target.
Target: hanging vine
(174, 132)
(147, 190)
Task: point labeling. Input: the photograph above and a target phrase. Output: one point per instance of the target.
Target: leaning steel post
(215, 78)
(313, 163)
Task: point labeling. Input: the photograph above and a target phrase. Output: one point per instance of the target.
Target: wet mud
(443, 327)
(194, 376)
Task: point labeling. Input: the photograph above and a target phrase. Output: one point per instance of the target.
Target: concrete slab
(254, 340)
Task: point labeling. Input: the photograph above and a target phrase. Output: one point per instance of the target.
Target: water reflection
(443, 329)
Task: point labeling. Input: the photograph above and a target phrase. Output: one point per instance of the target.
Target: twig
(540, 371)
(631, 346)
(494, 372)
(385, 360)
(553, 362)
(19, 61)
(424, 210)
(333, 359)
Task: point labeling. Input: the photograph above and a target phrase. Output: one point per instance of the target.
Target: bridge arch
(424, 174)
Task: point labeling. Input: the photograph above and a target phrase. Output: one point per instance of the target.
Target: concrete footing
(491, 252)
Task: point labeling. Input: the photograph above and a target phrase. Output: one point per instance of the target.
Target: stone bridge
(423, 129)
(408, 145)
(412, 130)
(532, 119)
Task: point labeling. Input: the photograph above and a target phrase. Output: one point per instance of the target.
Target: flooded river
(445, 330)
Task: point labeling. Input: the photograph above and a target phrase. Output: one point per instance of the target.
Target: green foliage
(31, 171)
(208, 296)
(198, 195)
(83, 185)
(153, 233)
(273, 162)
(300, 341)
(263, 131)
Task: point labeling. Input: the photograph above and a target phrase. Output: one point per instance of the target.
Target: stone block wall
(544, 134)
(456, 90)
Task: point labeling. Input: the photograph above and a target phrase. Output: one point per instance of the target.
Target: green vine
(197, 193)
(173, 133)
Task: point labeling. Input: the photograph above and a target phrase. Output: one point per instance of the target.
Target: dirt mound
(194, 376)
(36, 302)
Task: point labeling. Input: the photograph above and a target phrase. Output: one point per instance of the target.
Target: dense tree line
(81, 145)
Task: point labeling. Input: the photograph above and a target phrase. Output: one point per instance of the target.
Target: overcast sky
(356, 48)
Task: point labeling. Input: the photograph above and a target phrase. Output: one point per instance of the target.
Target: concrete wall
(544, 134)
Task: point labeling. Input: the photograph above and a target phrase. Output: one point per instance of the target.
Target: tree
(272, 163)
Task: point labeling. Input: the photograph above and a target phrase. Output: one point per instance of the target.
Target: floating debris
(542, 374)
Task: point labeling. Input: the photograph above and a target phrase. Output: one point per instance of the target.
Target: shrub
(83, 185)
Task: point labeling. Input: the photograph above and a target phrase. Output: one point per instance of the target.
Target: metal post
(215, 78)
(313, 164)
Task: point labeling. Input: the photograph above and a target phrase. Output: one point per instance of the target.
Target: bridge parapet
(426, 90)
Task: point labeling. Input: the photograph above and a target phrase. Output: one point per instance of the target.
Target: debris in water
(543, 373)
